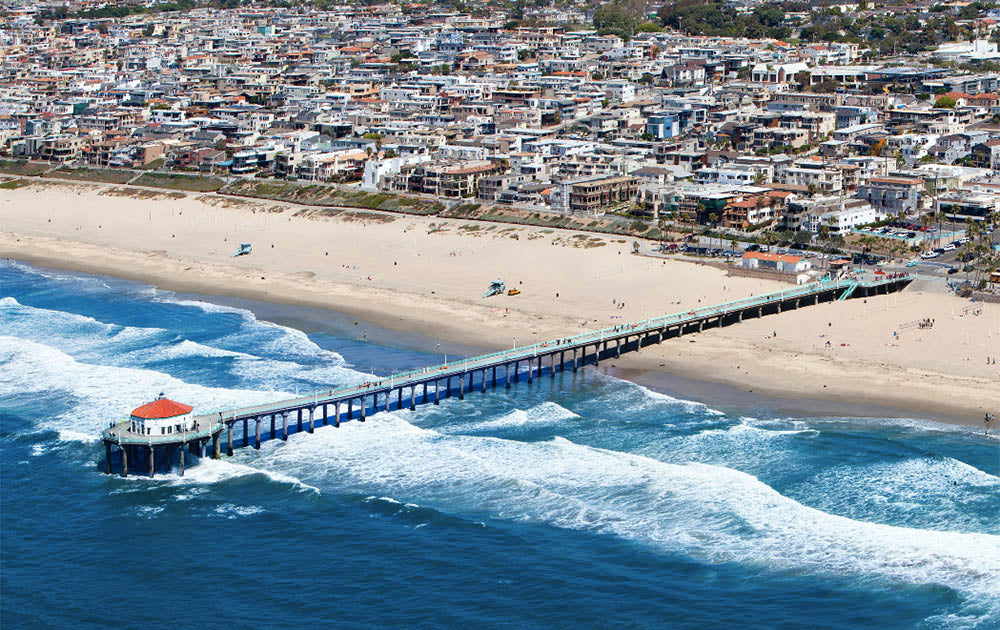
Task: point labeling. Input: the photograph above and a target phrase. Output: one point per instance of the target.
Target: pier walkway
(431, 384)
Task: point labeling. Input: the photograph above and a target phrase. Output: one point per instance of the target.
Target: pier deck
(279, 419)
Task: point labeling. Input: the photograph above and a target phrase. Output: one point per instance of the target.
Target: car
(949, 247)
(952, 270)
(939, 250)
(912, 263)
(929, 255)
(753, 248)
(963, 240)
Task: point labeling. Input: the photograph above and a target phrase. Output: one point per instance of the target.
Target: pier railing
(379, 384)
(119, 434)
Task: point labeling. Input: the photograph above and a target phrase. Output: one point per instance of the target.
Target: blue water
(580, 501)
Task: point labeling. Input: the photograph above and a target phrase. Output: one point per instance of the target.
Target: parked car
(929, 255)
(952, 270)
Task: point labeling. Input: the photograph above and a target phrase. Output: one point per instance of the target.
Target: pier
(429, 385)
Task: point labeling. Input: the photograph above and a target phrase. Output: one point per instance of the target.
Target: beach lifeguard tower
(162, 422)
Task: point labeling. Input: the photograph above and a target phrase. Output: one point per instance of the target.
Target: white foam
(712, 512)
(638, 396)
(547, 413)
(68, 435)
(213, 471)
(267, 337)
(100, 394)
(904, 490)
(232, 511)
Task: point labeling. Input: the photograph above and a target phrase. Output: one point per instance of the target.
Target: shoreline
(421, 279)
(309, 316)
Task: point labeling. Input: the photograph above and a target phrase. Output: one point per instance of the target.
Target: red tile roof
(161, 408)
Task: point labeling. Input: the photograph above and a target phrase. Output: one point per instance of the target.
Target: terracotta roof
(773, 257)
(161, 408)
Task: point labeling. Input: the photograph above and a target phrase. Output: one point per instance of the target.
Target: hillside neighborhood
(865, 128)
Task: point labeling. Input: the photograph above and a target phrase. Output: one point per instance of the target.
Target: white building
(162, 417)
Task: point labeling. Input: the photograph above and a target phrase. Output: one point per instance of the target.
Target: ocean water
(582, 501)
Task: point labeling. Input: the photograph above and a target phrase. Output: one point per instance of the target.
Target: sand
(427, 275)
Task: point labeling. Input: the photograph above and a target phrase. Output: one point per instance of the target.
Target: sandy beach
(427, 275)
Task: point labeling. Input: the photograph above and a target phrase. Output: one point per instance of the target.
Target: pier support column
(539, 367)
(326, 417)
(362, 418)
(816, 299)
(216, 454)
(298, 428)
(574, 359)
(399, 399)
(229, 446)
(701, 325)
(739, 317)
(760, 311)
(779, 308)
(284, 426)
(506, 373)
(350, 408)
(246, 432)
(618, 348)
(437, 392)
(336, 414)
(273, 434)
(312, 414)
(180, 458)
(256, 437)
(107, 457)
(494, 377)
(482, 386)
(796, 303)
(447, 389)
(201, 448)
(425, 392)
(530, 370)
(461, 386)
(152, 461)
(597, 355)
(413, 396)
(124, 450)
(388, 393)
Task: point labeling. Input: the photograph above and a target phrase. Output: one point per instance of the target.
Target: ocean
(580, 501)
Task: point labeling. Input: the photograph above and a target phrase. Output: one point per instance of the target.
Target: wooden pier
(429, 385)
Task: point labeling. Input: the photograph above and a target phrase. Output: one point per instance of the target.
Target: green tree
(945, 102)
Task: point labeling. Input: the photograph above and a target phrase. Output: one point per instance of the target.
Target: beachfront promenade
(426, 385)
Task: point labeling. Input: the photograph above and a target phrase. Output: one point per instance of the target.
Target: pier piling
(135, 445)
